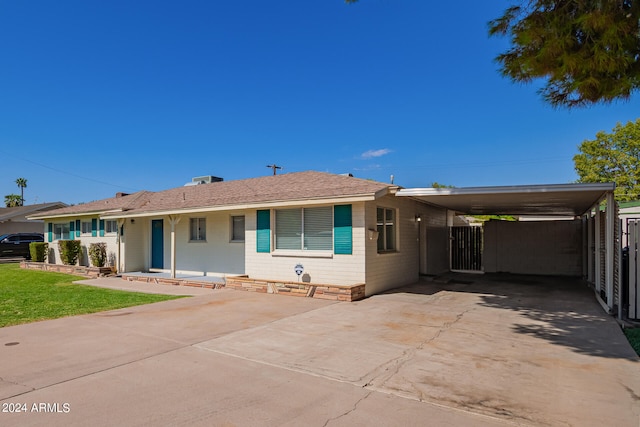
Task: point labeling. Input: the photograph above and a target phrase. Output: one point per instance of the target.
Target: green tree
(22, 184)
(12, 200)
(588, 51)
(613, 157)
(438, 185)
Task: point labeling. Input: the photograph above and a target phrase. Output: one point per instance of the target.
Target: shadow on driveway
(560, 310)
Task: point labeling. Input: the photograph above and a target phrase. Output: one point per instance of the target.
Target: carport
(598, 248)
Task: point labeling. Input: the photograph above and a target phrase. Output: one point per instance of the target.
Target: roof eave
(99, 212)
(409, 192)
(244, 206)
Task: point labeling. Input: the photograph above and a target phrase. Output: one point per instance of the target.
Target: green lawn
(28, 296)
(633, 335)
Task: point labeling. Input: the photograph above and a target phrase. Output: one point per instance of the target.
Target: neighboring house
(342, 230)
(14, 220)
(628, 211)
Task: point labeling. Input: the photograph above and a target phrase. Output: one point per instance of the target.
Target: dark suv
(17, 244)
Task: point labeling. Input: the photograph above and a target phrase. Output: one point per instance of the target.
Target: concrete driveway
(460, 350)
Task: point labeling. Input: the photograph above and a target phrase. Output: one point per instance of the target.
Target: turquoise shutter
(263, 231)
(101, 228)
(342, 225)
(50, 232)
(78, 228)
(94, 227)
(72, 228)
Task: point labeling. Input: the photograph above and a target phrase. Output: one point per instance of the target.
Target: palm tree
(12, 200)
(22, 184)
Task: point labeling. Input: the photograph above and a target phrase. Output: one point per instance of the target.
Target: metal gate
(633, 237)
(466, 248)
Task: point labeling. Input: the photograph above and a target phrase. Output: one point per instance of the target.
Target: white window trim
(396, 232)
(62, 224)
(301, 253)
(231, 239)
(85, 233)
(205, 231)
(109, 233)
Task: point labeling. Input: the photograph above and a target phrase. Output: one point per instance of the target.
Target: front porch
(199, 281)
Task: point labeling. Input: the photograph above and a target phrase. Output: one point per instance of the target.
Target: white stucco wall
(135, 249)
(217, 255)
(546, 247)
(426, 240)
(436, 239)
(334, 269)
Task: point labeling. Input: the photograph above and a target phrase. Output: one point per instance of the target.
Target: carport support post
(120, 263)
(173, 220)
(598, 251)
(590, 247)
(610, 241)
(585, 246)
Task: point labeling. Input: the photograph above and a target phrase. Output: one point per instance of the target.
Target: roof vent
(207, 179)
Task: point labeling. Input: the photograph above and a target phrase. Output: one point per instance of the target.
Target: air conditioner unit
(208, 179)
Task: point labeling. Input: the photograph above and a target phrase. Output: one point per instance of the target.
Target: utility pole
(274, 167)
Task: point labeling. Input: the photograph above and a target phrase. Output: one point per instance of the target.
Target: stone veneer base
(244, 283)
(79, 270)
(309, 290)
(173, 282)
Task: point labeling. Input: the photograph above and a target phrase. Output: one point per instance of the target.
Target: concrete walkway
(479, 351)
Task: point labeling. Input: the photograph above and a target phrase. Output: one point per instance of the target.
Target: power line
(69, 173)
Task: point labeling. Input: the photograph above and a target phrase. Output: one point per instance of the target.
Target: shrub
(38, 251)
(98, 254)
(69, 251)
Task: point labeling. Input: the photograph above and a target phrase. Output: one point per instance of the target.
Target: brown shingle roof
(267, 189)
(278, 188)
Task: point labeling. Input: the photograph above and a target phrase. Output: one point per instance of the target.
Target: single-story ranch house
(326, 235)
(341, 230)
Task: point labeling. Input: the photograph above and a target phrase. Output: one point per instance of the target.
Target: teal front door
(157, 243)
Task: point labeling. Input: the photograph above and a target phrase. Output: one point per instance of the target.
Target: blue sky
(98, 97)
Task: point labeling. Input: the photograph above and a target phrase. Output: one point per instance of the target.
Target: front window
(198, 227)
(111, 226)
(237, 228)
(86, 227)
(61, 231)
(386, 219)
(309, 229)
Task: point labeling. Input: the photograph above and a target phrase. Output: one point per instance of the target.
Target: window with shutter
(307, 229)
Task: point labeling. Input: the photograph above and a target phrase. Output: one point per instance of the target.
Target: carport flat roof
(552, 199)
